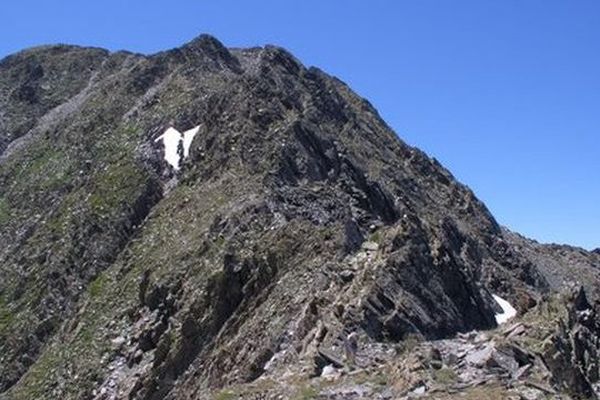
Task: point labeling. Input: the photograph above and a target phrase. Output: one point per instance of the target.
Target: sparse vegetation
(97, 286)
(4, 211)
(226, 394)
(306, 392)
(444, 376)
(410, 343)
(6, 316)
(376, 237)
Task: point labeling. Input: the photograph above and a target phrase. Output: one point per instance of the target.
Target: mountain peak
(205, 41)
(208, 51)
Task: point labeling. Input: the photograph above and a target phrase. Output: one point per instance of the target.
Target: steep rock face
(297, 218)
(571, 354)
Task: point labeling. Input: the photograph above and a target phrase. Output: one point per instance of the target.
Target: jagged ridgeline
(205, 217)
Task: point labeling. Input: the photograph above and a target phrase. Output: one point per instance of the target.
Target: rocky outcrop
(571, 354)
(531, 357)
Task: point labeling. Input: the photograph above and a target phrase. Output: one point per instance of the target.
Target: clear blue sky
(506, 94)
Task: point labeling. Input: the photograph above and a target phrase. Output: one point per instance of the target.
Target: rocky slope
(561, 265)
(293, 218)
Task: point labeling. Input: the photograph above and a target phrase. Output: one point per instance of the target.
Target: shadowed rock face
(297, 218)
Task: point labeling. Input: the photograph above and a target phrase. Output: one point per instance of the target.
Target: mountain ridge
(298, 217)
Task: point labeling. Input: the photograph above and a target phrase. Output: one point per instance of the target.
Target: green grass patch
(306, 393)
(226, 394)
(376, 237)
(97, 286)
(48, 169)
(5, 212)
(445, 376)
(6, 316)
(117, 186)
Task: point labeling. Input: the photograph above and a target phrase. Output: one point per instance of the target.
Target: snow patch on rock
(188, 136)
(177, 145)
(508, 311)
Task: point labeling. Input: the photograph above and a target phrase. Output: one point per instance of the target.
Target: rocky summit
(223, 223)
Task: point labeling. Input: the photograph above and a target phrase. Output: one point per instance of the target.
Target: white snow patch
(188, 136)
(419, 391)
(508, 311)
(330, 372)
(171, 139)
